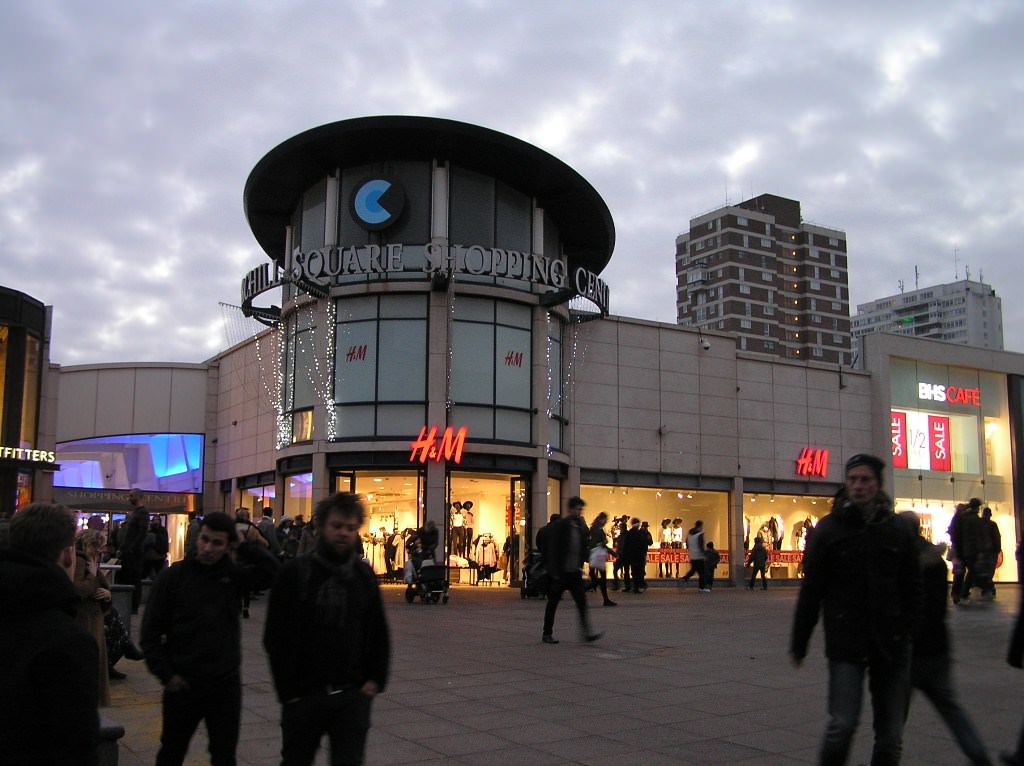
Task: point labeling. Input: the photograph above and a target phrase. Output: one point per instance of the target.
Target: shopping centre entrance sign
(315, 270)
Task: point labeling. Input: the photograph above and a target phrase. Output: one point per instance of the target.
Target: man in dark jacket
(191, 637)
(633, 549)
(49, 687)
(327, 640)
(861, 569)
(131, 550)
(565, 551)
(970, 541)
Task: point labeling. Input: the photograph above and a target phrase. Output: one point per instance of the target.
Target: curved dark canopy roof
(276, 184)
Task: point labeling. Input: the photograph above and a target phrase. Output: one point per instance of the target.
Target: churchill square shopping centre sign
(316, 270)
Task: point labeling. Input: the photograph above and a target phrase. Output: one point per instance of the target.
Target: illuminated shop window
(154, 462)
(298, 495)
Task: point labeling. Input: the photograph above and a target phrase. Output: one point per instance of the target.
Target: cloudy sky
(128, 131)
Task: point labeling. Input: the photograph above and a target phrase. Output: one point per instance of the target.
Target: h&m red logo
(812, 462)
(426, 447)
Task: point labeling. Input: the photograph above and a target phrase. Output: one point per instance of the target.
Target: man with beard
(327, 640)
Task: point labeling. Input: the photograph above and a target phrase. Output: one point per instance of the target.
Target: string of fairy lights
(273, 383)
(279, 369)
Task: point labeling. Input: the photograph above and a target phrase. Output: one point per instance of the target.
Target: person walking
(131, 547)
(931, 670)
(94, 600)
(711, 559)
(565, 550)
(191, 637)
(49, 690)
(598, 558)
(758, 559)
(861, 569)
(695, 550)
(327, 640)
(1015, 659)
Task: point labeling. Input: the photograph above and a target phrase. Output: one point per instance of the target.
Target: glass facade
(949, 431)
(490, 386)
(380, 369)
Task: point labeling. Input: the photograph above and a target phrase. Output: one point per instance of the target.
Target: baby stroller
(427, 583)
(535, 576)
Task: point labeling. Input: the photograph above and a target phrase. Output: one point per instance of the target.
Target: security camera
(706, 345)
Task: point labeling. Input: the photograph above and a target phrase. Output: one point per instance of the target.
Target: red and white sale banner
(898, 438)
(938, 443)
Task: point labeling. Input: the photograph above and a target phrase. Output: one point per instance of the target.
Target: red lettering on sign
(938, 443)
(426, 447)
(356, 353)
(514, 359)
(898, 438)
(969, 396)
(812, 462)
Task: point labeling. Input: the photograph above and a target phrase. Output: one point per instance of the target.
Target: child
(711, 559)
(758, 558)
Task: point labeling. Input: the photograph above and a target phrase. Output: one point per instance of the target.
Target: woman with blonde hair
(94, 592)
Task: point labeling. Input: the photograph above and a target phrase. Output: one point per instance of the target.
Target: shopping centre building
(444, 348)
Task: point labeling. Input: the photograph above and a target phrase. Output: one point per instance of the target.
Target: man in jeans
(861, 569)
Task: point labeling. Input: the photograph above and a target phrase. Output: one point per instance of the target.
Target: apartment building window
(747, 310)
(745, 324)
(834, 273)
(837, 306)
(765, 242)
(833, 242)
(745, 289)
(769, 311)
(837, 340)
(741, 221)
(741, 273)
(815, 284)
(817, 352)
(743, 343)
(767, 276)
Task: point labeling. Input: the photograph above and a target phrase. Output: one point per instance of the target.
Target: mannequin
(467, 533)
(458, 529)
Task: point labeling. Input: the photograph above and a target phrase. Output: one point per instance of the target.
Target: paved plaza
(680, 677)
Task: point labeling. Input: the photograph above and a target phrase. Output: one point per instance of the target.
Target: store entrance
(394, 511)
(488, 521)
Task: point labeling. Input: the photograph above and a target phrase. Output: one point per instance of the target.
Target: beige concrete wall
(648, 398)
(110, 399)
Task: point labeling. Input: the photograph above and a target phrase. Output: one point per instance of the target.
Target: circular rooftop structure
(276, 185)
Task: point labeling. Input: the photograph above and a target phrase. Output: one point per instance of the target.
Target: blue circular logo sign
(377, 203)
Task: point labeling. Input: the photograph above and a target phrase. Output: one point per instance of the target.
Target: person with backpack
(327, 639)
